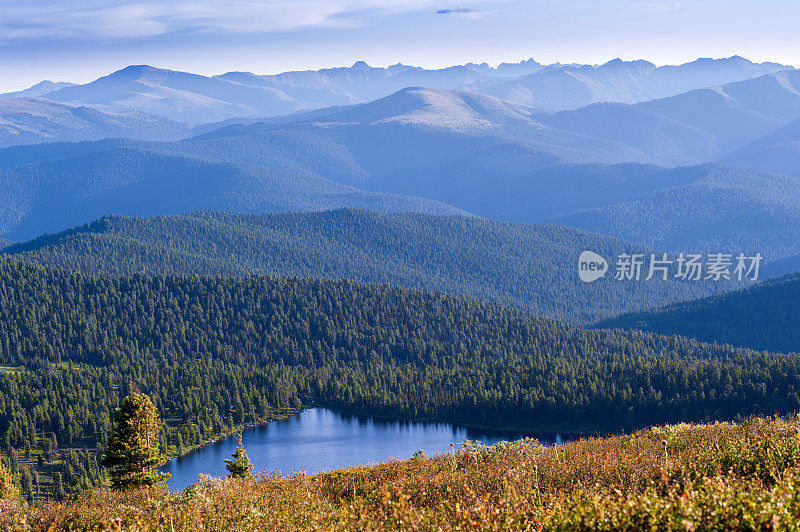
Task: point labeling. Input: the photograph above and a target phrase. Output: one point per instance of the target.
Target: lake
(319, 439)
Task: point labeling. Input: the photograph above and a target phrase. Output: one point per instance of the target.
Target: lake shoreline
(289, 412)
(316, 439)
(285, 414)
(566, 434)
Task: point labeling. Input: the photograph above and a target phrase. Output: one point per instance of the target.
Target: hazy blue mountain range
(531, 267)
(32, 121)
(663, 139)
(709, 208)
(599, 168)
(43, 87)
(361, 82)
(179, 96)
(778, 152)
(466, 152)
(508, 70)
(764, 317)
(690, 128)
(573, 86)
(397, 145)
(419, 133)
(59, 193)
(737, 113)
(195, 99)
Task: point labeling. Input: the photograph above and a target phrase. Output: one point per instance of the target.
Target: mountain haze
(126, 180)
(638, 172)
(195, 99)
(737, 113)
(710, 208)
(179, 96)
(40, 89)
(573, 86)
(462, 152)
(778, 152)
(32, 121)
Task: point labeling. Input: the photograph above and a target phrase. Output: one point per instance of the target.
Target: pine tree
(133, 451)
(240, 466)
(26, 480)
(58, 486)
(8, 490)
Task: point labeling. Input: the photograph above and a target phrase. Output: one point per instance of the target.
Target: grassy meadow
(722, 476)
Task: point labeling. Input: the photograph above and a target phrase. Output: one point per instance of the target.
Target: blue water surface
(319, 439)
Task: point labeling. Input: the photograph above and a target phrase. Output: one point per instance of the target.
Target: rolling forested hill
(133, 181)
(215, 353)
(528, 267)
(778, 152)
(390, 167)
(765, 316)
(709, 208)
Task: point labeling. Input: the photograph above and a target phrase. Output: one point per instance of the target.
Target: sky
(80, 40)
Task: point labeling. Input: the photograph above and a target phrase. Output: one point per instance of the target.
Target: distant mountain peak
(135, 72)
(618, 63)
(440, 108)
(138, 69)
(38, 90)
(194, 99)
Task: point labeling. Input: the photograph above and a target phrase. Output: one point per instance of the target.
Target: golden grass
(721, 476)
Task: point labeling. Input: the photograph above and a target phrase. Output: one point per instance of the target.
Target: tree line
(529, 267)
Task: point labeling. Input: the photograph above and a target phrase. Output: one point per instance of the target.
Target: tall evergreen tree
(133, 451)
(240, 466)
(58, 486)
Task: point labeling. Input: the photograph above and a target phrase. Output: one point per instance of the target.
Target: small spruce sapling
(240, 466)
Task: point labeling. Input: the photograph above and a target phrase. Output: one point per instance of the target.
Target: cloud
(455, 11)
(466, 12)
(125, 19)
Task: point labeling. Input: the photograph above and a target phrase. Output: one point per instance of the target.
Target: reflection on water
(319, 439)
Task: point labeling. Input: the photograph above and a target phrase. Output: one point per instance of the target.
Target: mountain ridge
(194, 99)
(530, 267)
(129, 179)
(762, 317)
(37, 120)
(778, 152)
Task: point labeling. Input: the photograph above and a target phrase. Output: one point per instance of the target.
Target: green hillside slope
(528, 267)
(762, 317)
